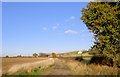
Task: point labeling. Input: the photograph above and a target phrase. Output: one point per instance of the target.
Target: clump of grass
(79, 68)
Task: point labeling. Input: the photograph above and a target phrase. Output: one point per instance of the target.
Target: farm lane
(59, 69)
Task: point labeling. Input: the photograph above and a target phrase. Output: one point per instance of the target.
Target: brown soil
(7, 63)
(59, 69)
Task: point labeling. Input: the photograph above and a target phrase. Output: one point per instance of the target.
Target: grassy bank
(37, 71)
(38, 66)
(8, 63)
(79, 68)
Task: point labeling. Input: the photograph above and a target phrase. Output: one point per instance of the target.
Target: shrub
(79, 58)
(54, 55)
(35, 54)
(42, 55)
(102, 60)
(19, 56)
(7, 56)
(79, 68)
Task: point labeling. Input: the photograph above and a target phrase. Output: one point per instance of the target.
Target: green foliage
(35, 54)
(54, 55)
(102, 60)
(79, 58)
(19, 56)
(42, 55)
(103, 19)
(75, 54)
(85, 51)
(72, 53)
(37, 71)
(7, 56)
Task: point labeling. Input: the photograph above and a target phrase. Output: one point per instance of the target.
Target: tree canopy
(103, 20)
(35, 54)
(54, 55)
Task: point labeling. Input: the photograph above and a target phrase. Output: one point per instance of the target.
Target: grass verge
(79, 68)
(37, 71)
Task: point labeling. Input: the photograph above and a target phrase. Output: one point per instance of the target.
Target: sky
(43, 27)
(47, 0)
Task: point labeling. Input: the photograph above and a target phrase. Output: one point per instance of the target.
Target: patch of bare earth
(7, 63)
(59, 69)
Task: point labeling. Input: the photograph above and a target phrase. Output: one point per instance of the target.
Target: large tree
(54, 55)
(35, 54)
(103, 20)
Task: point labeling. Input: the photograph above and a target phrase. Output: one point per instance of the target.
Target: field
(7, 63)
(86, 55)
(55, 66)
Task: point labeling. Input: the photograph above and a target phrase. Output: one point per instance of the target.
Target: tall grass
(37, 71)
(29, 67)
(79, 68)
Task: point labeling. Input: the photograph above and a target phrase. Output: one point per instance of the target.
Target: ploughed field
(7, 63)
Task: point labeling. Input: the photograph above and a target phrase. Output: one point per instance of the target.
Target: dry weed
(79, 68)
(29, 67)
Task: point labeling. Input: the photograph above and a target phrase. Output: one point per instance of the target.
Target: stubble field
(7, 63)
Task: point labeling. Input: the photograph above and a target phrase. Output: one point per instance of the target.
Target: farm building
(59, 55)
(79, 52)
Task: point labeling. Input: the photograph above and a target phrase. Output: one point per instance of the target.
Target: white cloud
(70, 32)
(44, 28)
(72, 17)
(54, 27)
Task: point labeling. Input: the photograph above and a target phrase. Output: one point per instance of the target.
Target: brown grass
(79, 68)
(7, 63)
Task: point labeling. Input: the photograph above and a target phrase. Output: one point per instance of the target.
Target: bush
(118, 64)
(79, 58)
(7, 56)
(54, 55)
(79, 68)
(42, 55)
(35, 55)
(19, 56)
(102, 60)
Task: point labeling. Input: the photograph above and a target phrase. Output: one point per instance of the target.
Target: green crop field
(77, 55)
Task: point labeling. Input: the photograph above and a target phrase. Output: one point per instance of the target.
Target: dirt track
(59, 69)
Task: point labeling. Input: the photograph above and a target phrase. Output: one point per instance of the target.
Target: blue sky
(34, 27)
(46, 0)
